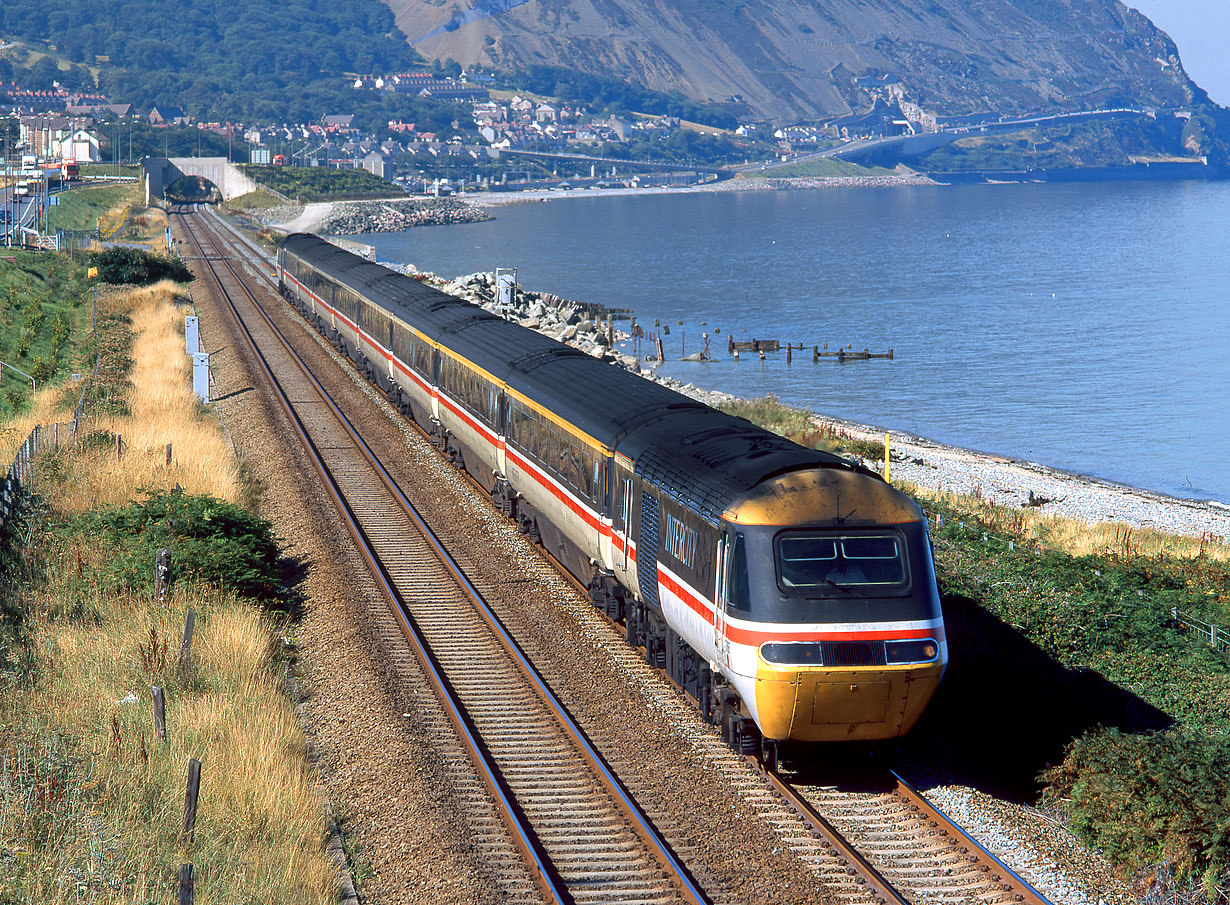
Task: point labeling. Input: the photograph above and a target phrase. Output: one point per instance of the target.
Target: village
(487, 136)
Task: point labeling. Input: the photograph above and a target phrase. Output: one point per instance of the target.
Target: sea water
(1082, 326)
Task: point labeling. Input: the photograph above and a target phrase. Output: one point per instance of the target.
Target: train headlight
(793, 654)
(924, 651)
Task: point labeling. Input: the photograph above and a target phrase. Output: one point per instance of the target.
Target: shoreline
(314, 213)
(1002, 480)
(1019, 483)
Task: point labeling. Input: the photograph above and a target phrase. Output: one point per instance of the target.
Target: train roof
(699, 456)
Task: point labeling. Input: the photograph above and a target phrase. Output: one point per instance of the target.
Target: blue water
(1081, 326)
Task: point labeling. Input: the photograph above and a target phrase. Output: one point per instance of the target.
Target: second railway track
(598, 852)
(590, 843)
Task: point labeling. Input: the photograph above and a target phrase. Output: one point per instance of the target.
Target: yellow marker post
(886, 457)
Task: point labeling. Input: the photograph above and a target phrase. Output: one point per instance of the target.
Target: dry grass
(90, 802)
(112, 823)
(1073, 536)
(163, 410)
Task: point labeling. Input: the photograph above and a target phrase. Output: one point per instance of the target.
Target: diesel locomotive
(790, 592)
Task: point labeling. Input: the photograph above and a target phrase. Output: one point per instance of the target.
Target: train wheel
(770, 753)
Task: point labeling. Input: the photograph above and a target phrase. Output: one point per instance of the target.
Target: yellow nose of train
(821, 704)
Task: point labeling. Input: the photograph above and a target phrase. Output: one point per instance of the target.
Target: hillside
(803, 59)
(217, 59)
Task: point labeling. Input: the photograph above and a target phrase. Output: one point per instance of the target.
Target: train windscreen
(873, 562)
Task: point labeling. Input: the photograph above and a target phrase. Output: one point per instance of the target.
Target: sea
(1085, 327)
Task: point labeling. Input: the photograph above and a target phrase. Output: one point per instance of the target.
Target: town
(477, 136)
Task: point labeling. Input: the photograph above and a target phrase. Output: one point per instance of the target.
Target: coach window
(493, 404)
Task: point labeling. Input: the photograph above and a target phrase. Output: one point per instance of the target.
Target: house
(339, 123)
(375, 163)
(101, 110)
(167, 116)
(81, 146)
(43, 134)
(545, 113)
(621, 127)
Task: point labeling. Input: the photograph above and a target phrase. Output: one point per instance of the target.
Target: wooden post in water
(886, 457)
(788, 347)
(815, 354)
(160, 714)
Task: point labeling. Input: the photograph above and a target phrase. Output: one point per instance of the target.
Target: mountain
(790, 60)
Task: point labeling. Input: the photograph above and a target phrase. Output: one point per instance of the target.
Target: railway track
(582, 837)
(907, 851)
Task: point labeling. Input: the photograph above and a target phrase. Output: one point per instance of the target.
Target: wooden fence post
(185, 884)
(190, 798)
(162, 574)
(185, 647)
(168, 455)
(160, 714)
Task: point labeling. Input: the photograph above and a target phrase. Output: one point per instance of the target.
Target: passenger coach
(789, 591)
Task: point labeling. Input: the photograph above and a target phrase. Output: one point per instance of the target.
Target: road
(17, 212)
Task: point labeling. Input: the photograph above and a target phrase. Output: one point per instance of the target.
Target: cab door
(720, 643)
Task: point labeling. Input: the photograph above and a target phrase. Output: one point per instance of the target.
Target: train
(788, 591)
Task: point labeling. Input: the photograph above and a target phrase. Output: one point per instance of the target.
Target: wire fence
(49, 438)
(1217, 636)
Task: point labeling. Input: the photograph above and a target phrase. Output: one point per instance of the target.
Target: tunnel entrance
(192, 190)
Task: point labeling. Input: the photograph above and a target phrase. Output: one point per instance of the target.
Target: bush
(211, 541)
(1151, 798)
(120, 265)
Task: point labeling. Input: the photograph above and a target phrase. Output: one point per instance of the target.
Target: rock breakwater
(582, 326)
(352, 217)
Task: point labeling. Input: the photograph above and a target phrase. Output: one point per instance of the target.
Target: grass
(321, 184)
(90, 801)
(163, 411)
(41, 319)
(254, 201)
(802, 426)
(81, 208)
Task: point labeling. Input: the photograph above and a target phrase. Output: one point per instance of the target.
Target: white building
(81, 146)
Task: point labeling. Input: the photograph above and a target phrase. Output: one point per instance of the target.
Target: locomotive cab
(830, 620)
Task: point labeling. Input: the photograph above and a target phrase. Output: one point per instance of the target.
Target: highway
(17, 212)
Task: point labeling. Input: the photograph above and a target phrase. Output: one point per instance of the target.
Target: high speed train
(790, 592)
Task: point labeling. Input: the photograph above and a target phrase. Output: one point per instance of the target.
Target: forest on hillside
(215, 58)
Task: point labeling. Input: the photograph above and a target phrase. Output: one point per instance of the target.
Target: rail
(552, 884)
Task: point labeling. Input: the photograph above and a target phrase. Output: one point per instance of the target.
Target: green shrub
(120, 265)
(1151, 798)
(211, 542)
